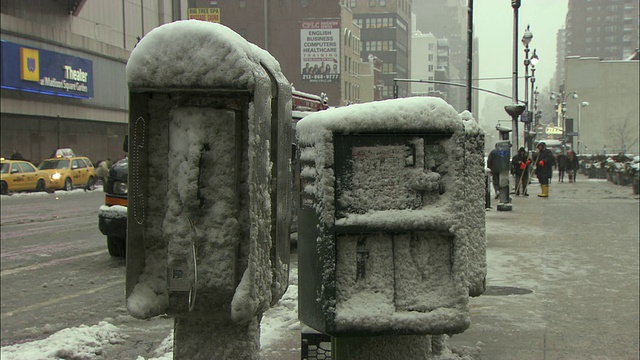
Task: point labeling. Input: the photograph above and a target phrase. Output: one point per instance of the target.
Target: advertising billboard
(45, 72)
(204, 14)
(320, 51)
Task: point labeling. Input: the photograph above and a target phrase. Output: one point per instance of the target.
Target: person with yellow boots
(544, 168)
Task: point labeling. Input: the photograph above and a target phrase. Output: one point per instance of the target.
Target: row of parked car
(66, 171)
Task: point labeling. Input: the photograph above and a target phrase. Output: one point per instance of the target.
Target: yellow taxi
(66, 173)
(21, 175)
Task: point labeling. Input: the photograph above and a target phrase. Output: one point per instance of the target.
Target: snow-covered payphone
(209, 185)
(391, 232)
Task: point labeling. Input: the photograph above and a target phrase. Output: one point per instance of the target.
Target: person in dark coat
(495, 165)
(16, 155)
(521, 165)
(544, 168)
(561, 161)
(573, 164)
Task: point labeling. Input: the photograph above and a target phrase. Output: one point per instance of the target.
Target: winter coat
(544, 166)
(572, 161)
(494, 162)
(519, 163)
(561, 161)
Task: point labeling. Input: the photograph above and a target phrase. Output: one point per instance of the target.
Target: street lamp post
(526, 40)
(534, 60)
(515, 4)
(561, 104)
(533, 106)
(582, 104)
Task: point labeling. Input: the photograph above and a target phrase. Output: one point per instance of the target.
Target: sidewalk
(562, 279)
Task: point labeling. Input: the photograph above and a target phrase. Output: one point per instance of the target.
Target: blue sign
(45, 72)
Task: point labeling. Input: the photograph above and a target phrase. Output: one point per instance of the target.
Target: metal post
(515, 4)
(470, 55)
(580, 106)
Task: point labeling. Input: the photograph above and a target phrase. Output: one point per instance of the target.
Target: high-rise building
(316, 42)
(447, 19)
(604, 29)
(423, 62)
(561, 54)
(386, 35)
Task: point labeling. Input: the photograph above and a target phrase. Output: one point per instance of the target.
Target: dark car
(112, 216)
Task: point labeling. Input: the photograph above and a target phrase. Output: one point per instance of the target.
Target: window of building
(401, 25)
(372, 2)
(430, 67)
(383, 2)
(430, 46)
(387, 68)
(430, 57)
(353, 3)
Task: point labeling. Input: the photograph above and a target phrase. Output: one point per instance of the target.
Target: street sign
(525, 117)
(573, 133)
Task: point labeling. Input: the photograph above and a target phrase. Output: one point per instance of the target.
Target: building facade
(63, 73)
(605, 114)
(424, 56)
(385, 33)
(605, 29)
(316, 42)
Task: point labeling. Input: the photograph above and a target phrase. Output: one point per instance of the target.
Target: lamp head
(534, 58)
(585, 103)
(527, 37)
(575, 95)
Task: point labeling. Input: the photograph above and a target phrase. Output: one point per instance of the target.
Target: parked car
(112, 216)
(21, 175)
(66, 173)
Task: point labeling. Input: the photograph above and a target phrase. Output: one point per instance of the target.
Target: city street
(57, 273)
(562, 279)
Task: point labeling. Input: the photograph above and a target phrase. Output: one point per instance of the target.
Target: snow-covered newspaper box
(391, 222)
(209, 186)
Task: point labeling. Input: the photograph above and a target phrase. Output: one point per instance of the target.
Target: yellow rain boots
(545, 191)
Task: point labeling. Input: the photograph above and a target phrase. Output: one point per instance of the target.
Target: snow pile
(83, 342)
(113, 212)
(406, 176)
(196, 54)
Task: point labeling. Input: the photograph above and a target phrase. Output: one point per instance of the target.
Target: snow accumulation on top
(407, 114)
(196, 54)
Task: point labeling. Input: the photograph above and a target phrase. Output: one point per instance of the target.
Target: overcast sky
(493, 21)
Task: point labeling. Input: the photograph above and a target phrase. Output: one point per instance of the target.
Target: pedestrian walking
(494, 163)
(521, 165)
(561, 161)
(544, 168)
(573, 164)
